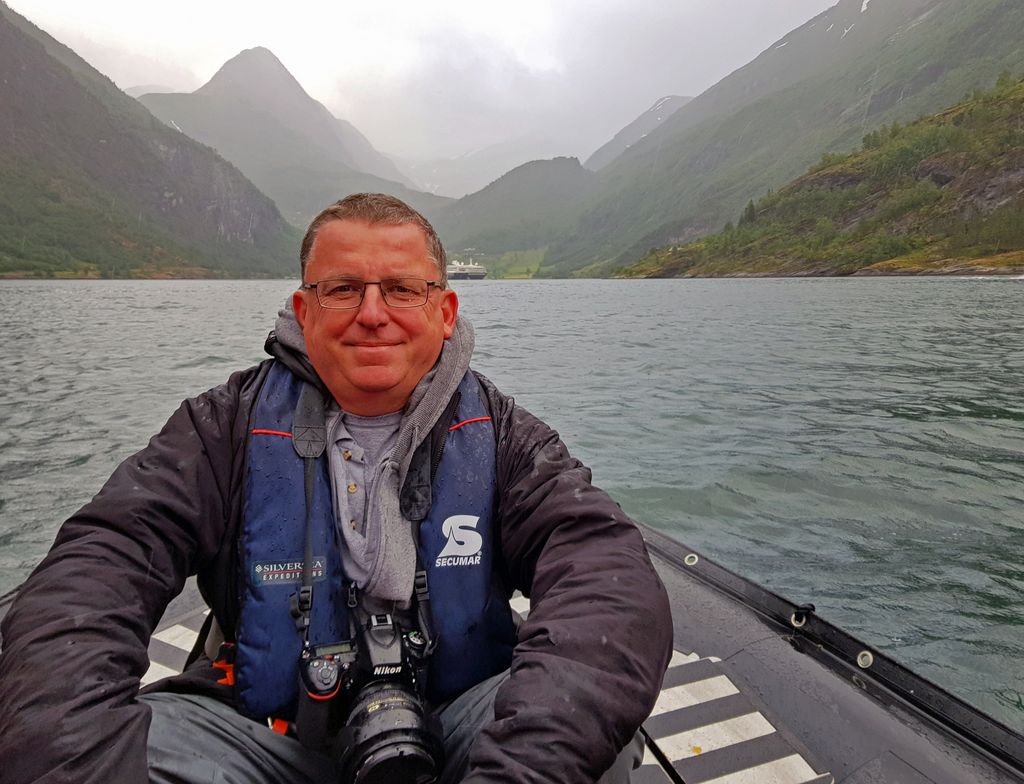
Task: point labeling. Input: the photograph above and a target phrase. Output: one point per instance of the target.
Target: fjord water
(855, 443)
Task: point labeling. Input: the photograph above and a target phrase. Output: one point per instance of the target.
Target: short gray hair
(377, 209)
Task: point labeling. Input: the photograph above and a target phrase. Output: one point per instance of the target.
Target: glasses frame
(315, 286)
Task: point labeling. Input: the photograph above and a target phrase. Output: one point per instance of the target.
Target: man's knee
(195, 739)
(629, 759)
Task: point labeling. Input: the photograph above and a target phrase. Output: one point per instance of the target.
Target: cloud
(462, 94)
(126, 67)
(446, 77)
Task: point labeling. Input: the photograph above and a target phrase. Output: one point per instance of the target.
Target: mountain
(255, 114)
(636, 130)
(941, 195)
(142, 89)
(469, 173)
(854, 67)
(819, 89)
(256, 77)
(536, 193)
(92, 184)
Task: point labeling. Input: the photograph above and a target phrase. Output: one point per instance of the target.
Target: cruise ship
(458, 270)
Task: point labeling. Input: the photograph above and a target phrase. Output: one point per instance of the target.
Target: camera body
(361, 700)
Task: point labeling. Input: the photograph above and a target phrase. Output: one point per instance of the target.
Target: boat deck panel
(836, 715)
(708, 731)
(701, 727)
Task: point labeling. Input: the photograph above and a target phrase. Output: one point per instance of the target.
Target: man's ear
(299, 306)
(449, 311)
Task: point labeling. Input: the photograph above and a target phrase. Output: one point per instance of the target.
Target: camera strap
(421, 595)
(421, 592)
(309, 438)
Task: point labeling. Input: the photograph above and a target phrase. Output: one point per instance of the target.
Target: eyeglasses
(345, 293)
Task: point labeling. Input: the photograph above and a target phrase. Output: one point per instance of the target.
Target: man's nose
(373, 311)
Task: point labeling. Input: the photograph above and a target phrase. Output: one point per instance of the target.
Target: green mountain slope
(92, 184)
(818, 90)
(255, 114)
(536, 194)
(944, 194)
(640, 128)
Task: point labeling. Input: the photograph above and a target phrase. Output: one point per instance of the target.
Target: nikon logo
(387, 669)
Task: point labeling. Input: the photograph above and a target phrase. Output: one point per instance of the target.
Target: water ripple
(855, 443)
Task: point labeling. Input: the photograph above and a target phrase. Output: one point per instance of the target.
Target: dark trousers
(198, 740)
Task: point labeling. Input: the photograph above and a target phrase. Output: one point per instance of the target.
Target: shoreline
(961, 271)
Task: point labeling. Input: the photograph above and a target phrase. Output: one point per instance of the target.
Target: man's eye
(340, 288)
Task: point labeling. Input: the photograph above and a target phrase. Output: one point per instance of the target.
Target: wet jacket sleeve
(591, 656)
(75, 641)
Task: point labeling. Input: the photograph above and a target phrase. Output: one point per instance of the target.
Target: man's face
(372, 357)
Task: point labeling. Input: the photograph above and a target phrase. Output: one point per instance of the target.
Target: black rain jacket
(586, 670)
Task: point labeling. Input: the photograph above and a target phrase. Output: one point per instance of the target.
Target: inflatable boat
(761, 691)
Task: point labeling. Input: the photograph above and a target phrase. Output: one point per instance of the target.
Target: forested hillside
(91, 184)
(820, 89)
(941, 195)
(860, 70)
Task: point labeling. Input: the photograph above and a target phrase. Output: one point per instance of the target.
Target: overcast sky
(444, 77)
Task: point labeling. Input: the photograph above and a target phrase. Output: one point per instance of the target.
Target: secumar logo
(464, 543)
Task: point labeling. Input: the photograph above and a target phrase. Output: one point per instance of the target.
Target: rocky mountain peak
(255, 75)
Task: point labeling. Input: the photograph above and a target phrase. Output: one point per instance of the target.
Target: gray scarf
(389, 556)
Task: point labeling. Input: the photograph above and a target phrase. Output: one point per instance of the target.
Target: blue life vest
(457, 546)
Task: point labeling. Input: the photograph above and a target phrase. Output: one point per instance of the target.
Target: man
(410, 490)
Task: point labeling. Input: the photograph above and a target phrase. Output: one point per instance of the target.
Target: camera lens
(397, 763)
(390, 739)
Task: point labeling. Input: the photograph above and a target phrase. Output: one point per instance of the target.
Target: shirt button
(347, 454)
(353, 525)
(352, 487)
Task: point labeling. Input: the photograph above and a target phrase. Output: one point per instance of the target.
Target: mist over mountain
(256, 77)
(469, 173)
(819, 89)
(255, 114)
(522, 209)
(92, 184)
(636, 130)
(676, 173)
(141, 89)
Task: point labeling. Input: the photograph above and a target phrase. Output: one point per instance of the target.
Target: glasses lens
(340, 293)
(404, 292)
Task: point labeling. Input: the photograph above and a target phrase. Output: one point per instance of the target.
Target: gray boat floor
(750, 698)
(702, 727)
(745, 700)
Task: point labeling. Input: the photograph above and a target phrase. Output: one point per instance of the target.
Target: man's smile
(372, 344)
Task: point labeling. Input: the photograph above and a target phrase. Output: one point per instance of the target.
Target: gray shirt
(359, 447)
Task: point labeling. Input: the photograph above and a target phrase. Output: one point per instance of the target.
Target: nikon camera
(361, 701)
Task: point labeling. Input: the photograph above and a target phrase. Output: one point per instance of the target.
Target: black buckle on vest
(420, 586)
(422, 592)
(301, 603)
